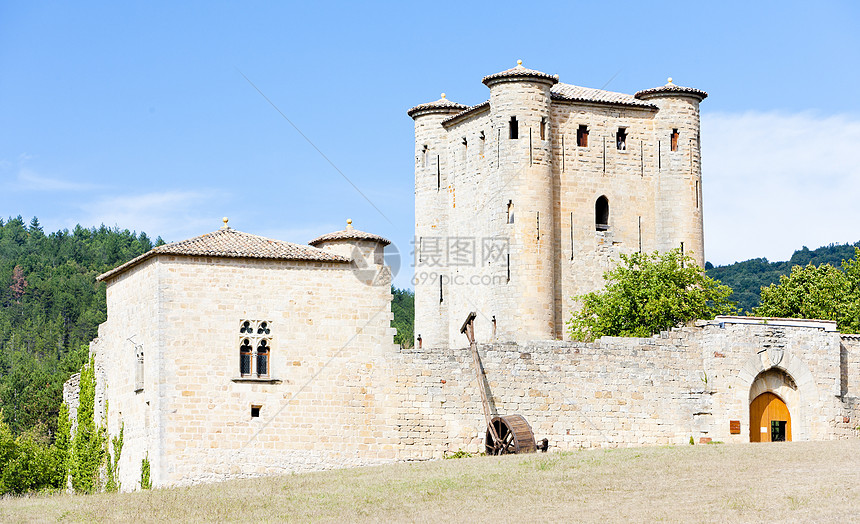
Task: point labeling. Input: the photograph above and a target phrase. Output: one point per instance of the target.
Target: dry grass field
(784, 482)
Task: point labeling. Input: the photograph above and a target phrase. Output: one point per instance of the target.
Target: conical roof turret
(519, 73)
(443, 105)
(670, 89)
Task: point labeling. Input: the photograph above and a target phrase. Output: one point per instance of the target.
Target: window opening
(514, 129)
(481, 143)
(509, 267)
(674, 140)
(138, 368)
(571, 236)
(543, 128)
(465, 148)
(510, 211)
(531, 156)
(440, 289)
(438, 174)
(562, 153)
(601, 214)
(255, 411)
(263, 358)
(621, 139)
(582, 136)
(697, 194)
(255, 347)
(537, 224)
(425, 153)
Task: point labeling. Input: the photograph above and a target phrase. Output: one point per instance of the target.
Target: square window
(255, 411)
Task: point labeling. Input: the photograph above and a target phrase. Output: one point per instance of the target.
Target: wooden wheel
(515, 436)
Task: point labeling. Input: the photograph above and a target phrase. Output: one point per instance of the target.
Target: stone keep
(525, 200)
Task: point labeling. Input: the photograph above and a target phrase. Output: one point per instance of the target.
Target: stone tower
(525, 200)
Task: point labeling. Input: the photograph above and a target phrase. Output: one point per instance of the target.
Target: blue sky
(137, 115)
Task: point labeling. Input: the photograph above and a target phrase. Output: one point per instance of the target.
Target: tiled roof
(467, 112)
(230, 243)
(670, 89)
(586, 94)
(349, 234)
(519, 72)
(442, 105)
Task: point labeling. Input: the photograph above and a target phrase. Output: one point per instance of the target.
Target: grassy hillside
(748, 277)
(782, 482)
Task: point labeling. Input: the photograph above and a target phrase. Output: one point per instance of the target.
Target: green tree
(403, 307)
(823, 292)
(649, 293)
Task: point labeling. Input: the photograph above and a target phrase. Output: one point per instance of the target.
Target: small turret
(366, 250)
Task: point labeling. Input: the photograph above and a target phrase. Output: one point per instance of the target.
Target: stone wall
(689, 382)
(341, 394)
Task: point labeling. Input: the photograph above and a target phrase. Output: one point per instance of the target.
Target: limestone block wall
(850, 385)
(583, 174)
(321, 409)
(738, 350)
(321, 405)
(689, 382)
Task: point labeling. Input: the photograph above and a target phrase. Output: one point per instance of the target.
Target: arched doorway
(770, 420)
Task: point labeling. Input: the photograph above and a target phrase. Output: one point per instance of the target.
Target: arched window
(255, 348)
(601, 214)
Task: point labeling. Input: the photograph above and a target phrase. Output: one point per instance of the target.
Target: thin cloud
(29, 180)
(774, 182)
(174, 215)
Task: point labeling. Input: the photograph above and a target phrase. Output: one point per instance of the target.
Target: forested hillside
(50, 308)
(748, 277)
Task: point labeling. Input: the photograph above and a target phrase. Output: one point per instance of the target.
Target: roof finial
(519, 63)
(443, 95)
(225, 220)
(349, 220)
(670, 79)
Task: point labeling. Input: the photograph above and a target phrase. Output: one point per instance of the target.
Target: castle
(231, 355)
(525, 200)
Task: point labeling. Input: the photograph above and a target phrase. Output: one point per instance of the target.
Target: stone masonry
(507, 195)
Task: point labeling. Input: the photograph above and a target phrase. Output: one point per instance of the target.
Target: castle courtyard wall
(618, 392)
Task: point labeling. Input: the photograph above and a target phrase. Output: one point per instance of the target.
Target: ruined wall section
(134, 325)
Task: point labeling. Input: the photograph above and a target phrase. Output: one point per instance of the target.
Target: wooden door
(769, 419)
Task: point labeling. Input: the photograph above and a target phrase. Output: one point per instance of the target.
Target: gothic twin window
(255, 345)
